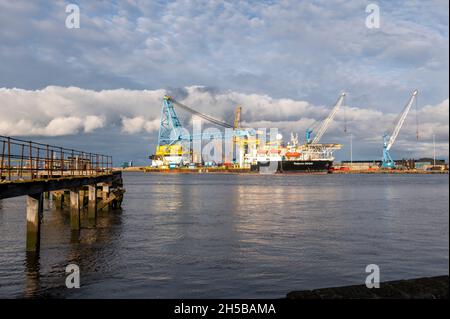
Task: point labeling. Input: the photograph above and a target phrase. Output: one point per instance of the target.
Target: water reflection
(219, 236)
(91, 248)
(32, 271)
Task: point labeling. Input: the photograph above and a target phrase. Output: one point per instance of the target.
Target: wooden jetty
(70, 177)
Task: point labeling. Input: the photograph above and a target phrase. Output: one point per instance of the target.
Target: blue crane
(388, 140)
(172, 135)
(170, 128)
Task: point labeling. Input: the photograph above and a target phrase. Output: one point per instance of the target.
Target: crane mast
(170, 129)
(388, 141)
(326, 123)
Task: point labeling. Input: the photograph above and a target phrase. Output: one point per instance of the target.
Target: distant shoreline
(215, 170)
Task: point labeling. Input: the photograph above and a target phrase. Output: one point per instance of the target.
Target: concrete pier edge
(418, 288)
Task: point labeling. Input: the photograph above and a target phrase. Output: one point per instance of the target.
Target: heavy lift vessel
(173, 148)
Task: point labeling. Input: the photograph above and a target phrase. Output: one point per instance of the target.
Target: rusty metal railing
(27, 160)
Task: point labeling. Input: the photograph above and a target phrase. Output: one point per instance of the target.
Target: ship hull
(292, 166)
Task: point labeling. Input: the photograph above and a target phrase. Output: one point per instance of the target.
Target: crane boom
(328, 120)
(387, 161)
(401, 121)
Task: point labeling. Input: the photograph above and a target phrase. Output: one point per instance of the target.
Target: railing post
(9, 158)
(83, 169)
(21, 161)
(31, 159)
(47, 161)
(73, 164)
(51, 163)
(62, 162)
(37, 162)
(91, 164)
(2, 160)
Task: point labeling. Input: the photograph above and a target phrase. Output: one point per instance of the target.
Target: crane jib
(387, 161)
(401, 120)
(329, 119)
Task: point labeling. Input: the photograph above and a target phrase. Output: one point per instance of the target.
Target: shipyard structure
(246, 148)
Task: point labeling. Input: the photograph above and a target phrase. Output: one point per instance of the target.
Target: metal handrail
(27, 160)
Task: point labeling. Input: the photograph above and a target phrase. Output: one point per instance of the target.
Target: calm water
(235, 236)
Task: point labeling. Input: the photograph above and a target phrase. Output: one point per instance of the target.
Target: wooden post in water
(82, 195)
(34, 215)
(58, 198)
(92, 201)
(66, 198)
(75, 209)
(105, 195)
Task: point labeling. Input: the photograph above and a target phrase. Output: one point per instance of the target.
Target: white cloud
(58, 126)
(62, 126)
(56, 111)
(93, 122)
(137, 124)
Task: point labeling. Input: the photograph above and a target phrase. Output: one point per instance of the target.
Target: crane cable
(206, 117)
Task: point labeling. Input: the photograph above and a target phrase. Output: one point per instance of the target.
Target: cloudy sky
(100, 87)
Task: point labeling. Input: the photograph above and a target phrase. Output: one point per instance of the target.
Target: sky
(100, 87)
